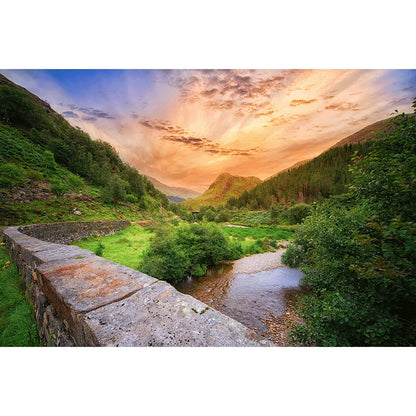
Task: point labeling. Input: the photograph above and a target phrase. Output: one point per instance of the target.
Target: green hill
(51, 171)
(325, 175)
(226, 186)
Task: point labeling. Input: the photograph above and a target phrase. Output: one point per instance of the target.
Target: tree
(360, 257)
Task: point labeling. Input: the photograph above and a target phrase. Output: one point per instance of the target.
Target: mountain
(368, 133)
(226, 186)
(297, 164)
(51, 171)
(325, 175)
(175, 194)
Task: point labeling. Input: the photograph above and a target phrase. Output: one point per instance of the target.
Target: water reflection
(245, 297)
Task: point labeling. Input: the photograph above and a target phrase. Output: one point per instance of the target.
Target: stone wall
(66, 232)
(80, 299)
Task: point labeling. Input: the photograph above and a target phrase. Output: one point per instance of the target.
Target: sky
(186, 127)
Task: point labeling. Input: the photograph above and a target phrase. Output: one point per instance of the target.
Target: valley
(345, 217)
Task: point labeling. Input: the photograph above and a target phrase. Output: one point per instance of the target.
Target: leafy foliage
(316, 180)
(42, 138)
(186, 249)
(359, 254)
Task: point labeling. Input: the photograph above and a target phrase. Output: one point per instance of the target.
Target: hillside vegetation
(325, 175)
(358, 252)
(226, 186)
(49, 169)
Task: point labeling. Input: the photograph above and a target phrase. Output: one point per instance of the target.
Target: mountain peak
(226, 186)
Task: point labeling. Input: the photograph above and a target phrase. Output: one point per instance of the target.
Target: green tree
(359, 253)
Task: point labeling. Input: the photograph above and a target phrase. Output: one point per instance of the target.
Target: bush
(49, 160)
(75, 182)
(358, 252)
(186, 249)
(99, 250)
(131, 198)
(11, 174)
(298, 213)
(60, 187)
(34, 175)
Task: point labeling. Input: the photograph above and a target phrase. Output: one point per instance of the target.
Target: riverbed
(248, 290)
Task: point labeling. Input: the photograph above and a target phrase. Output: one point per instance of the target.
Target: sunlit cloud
(185, 127)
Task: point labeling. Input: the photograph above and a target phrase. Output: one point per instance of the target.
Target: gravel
(259, 262)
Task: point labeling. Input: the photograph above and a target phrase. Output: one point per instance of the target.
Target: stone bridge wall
(80, 299)
(66, 232)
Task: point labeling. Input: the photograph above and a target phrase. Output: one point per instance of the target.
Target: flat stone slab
(159, 315)
(90, 282)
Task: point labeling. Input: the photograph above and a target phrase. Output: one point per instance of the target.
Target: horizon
(186, 127)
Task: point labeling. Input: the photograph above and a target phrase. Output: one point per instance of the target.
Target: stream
(248, 297)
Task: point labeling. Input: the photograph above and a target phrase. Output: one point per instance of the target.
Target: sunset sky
(185, 127)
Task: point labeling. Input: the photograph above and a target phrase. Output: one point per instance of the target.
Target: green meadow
(127, 246)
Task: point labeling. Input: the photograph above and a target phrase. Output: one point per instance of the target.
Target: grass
(125, 247)
(270, 233)
(59, 209)
(17, 324)
(257, 240)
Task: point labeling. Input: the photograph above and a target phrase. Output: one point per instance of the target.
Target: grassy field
(17, 325)
(256, 233)
(257, 240)
(125, 247)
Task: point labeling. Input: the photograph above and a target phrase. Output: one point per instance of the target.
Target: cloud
(70, 114)
(178, 134)
(89, 118)
(295, 103)
(92, 112)
(240, 90)
(344, 106)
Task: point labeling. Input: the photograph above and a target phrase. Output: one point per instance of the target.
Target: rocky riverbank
(278, 327)
(260, 262)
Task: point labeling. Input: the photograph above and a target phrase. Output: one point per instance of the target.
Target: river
(244, 290)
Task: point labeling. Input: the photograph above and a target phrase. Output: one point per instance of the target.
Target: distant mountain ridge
(367, 133)
(226, 186)
(176, 194)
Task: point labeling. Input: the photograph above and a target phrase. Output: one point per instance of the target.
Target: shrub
(49, 160)
(99, 250)
(298, 213)
(359, 258)
(186, 249)
(11, 174)
(131, 198)
(60, 187)
(34, 175)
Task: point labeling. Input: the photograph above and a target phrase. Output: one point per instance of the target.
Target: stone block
(159, 315)
(76, 286)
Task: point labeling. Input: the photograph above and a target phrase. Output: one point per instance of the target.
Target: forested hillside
(39, 147)
(326, 175)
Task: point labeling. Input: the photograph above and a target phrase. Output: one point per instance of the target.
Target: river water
(246, 297)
